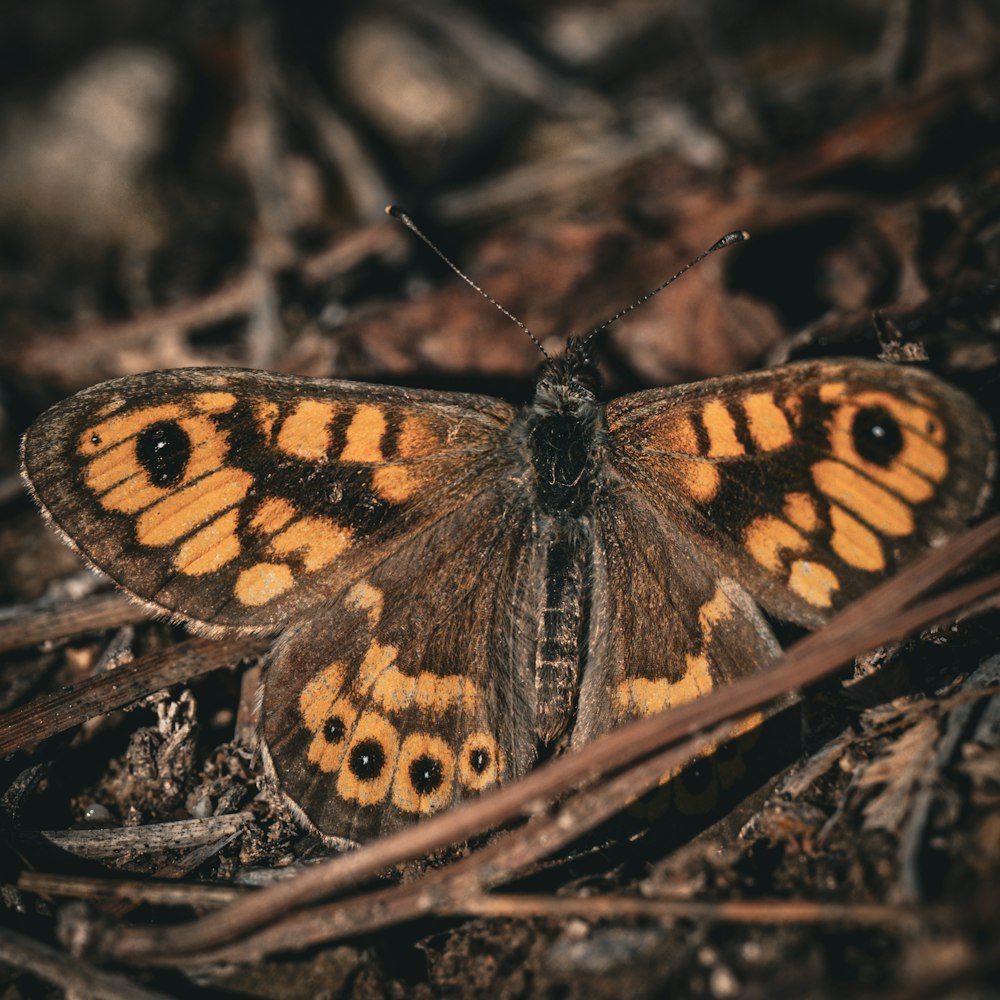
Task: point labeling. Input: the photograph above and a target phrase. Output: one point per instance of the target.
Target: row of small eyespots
(419, 770)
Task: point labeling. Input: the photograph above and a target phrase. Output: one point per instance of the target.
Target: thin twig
(56, 712)
(67, 971)
(193, 894)
(44, 621)
(732, 911)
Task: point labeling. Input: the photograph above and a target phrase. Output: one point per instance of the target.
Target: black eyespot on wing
(479, 759)
(367, 760)
(426, 774)
(333, 729)
(876, 435)
(698, 777)
(163, 450)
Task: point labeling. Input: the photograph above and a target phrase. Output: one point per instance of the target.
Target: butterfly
(454, 583)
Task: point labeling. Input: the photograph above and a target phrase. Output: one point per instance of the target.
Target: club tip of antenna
(395, 212)
(737, 236)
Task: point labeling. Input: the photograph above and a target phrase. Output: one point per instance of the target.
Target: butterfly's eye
(426, 774)
(333, 729)
(876, 435)
(163, 450)
(479, 759)
(367, 760)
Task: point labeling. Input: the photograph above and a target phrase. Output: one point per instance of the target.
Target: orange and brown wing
(243, 499)
(414, 689)
(667, 626)
(807, 483)
(795, 488)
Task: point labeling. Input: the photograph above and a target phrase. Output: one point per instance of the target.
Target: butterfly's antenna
(400, 216)
(727, 241)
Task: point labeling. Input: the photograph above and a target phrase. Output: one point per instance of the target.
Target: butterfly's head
(568, 381)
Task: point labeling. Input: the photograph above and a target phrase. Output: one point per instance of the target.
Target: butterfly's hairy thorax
(564, 439)
(566, 432)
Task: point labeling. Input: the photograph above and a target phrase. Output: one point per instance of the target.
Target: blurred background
(183, 183)
(192, 183)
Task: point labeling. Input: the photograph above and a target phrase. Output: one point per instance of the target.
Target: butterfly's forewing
(244, 499)
(809, 483)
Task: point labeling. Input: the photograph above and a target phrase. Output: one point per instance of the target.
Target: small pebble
(202, 809)
(722, 983)
(96, 813)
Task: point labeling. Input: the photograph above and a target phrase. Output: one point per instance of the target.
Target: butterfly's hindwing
(666, 627)
(412, 689)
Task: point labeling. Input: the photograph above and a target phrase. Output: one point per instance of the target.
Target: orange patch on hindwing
(646, 696)
(368, 763)
(378, 658)
(367, 598)
(395, 691)
(425, 774)
(320, 694)
(481, 762)
(330, 741)
(328, 715)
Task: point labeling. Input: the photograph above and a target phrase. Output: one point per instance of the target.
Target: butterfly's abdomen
(561, 625)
